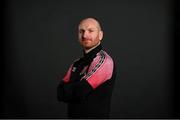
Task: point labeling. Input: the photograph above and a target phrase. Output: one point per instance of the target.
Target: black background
(40, 42)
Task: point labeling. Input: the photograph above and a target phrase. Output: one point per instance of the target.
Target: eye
(91, 31)
(81, 31)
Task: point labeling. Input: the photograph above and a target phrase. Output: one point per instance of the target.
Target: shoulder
(100, 70)
(102, 65)
(104, 58)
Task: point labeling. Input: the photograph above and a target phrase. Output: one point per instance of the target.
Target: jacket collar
(93, 52)
(88, 57)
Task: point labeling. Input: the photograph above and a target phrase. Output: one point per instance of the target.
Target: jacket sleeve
(64, 91)
(71, 88)
(73, 91)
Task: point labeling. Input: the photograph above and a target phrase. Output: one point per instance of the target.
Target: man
(88, 84)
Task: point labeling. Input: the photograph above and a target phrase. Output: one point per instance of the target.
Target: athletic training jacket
(88, 84)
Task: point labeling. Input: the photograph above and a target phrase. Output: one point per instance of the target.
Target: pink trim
(103, 73)
(68, 74)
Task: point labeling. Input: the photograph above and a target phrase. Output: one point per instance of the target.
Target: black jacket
(88, 84)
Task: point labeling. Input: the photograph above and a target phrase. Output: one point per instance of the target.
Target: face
(89, 33)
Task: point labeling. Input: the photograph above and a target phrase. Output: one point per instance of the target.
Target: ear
(100, 35)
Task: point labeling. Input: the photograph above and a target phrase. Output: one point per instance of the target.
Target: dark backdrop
(41, 42)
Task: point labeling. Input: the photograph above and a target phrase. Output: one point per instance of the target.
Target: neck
(88, 50)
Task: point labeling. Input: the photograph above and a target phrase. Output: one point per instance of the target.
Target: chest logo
(73, 69)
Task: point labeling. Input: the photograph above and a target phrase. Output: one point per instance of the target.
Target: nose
(85, 34)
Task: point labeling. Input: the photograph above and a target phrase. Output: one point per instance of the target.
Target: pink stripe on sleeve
(103, 72)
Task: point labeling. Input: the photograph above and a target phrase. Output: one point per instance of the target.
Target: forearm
(73, 92)
(81, 90)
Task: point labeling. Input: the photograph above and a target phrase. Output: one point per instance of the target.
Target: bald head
(91, 20)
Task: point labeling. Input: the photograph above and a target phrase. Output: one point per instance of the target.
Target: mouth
(86, 40)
